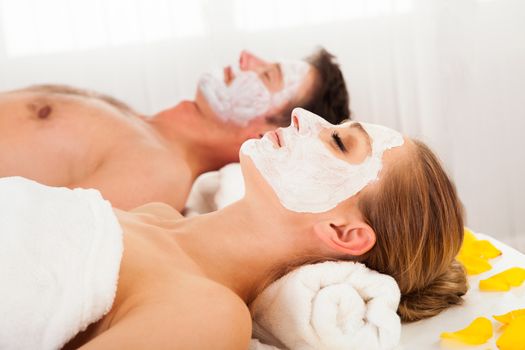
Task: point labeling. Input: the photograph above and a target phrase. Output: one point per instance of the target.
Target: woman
(185, 283)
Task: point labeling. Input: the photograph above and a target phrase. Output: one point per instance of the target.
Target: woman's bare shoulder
(194, 314)
(209, 301)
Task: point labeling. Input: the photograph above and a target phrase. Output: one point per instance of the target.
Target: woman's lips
(280, 137)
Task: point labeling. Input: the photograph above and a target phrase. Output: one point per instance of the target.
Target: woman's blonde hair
(418, 221)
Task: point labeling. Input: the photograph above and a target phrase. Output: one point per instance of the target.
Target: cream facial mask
(293, 73)
(247, 97)
(305, 175)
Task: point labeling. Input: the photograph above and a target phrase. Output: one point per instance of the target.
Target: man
(62, 136)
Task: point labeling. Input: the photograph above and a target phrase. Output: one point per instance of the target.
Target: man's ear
(355, 238)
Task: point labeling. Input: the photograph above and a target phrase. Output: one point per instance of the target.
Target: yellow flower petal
(509, 316)
(515, 276)
(485, 249)
(468, 236)
(491, 285)
(502, 328)
(478, 332)
(513, 338)
(502, 281)
(474, 253)
(473, 264)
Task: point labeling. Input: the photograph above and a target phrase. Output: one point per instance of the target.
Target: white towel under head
(60, 253)
(328, 306)
(215, 190)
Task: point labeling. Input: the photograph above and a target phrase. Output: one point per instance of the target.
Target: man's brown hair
(328, 96)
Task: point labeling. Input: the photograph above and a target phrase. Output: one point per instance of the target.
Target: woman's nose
(304, 121)
(295, 122)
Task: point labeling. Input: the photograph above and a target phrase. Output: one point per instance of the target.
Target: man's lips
(228, 75)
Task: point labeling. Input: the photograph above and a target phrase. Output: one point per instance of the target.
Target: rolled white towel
(231, 186)
(201, 199)
(331, 305)
(255, 344)
(215, 190)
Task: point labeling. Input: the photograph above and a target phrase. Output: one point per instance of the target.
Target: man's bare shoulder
(63, 136)
(58, 135)
(129, 183)
(191, 314)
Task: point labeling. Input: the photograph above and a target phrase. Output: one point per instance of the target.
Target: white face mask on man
(305, 175)
(246, 97)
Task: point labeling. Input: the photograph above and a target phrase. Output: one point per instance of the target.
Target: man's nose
(248, 61)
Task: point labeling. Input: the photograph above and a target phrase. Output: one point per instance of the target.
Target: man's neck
(186, 134)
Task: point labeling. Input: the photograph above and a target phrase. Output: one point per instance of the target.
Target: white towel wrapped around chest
(60, 253)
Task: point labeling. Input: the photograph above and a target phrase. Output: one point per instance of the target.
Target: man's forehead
(293, 71)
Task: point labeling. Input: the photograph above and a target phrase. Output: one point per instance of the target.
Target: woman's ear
(355, 238)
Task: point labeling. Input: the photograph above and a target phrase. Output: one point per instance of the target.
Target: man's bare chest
(68, 140)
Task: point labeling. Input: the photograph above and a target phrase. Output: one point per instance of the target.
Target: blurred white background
(451, 72)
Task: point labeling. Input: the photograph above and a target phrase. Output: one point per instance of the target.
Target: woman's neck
(240, 248)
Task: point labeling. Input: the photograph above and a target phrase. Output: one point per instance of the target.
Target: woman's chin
(247, 166)
(254, 181)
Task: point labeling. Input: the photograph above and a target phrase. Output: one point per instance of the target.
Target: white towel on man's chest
(60, 253)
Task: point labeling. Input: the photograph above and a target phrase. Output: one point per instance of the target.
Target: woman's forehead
(365, 125)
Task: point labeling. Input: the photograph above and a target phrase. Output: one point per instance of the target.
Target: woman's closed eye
(339, 142)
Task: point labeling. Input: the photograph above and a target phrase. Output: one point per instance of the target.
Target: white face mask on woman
(305, 175)
(247, 97)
